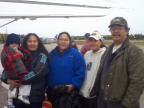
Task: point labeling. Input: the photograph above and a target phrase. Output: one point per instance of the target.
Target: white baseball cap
(96, 36)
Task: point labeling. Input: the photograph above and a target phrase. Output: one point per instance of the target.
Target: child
(13, 58)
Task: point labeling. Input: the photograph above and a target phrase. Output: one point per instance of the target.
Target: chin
(32, 49)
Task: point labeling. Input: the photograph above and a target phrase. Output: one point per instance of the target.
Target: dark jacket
(62, 99)
(36, 76)
(125, 81)
(37, 72)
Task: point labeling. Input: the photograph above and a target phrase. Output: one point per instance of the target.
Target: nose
(116, 30)
(32, 43)
(14, 45)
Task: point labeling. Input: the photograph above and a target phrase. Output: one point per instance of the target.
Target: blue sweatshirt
(67, 69)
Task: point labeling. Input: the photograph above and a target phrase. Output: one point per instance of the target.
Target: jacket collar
(123, 46)
(58, 52)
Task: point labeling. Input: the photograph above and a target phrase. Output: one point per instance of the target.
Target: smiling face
(119, 34)
(63, 42)
(32, 43)
(94, 44)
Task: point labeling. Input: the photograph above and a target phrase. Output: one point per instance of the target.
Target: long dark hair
(75, 46)
(103, 44)
(41, 48)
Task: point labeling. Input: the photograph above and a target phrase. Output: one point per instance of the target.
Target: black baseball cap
(87, 35)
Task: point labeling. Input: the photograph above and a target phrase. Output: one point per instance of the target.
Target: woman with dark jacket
(67, 72)
(37, 72)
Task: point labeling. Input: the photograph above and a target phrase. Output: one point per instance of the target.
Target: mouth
(116, 35)
(32, 46)
(63, 45)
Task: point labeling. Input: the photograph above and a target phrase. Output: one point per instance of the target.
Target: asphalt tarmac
(49, 47)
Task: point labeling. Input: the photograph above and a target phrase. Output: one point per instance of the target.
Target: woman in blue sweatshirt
(67, 66)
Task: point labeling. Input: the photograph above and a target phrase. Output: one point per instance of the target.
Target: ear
(127, 31)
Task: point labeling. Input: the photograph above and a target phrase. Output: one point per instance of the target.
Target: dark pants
(32, 105)
(61, 99)
(88, 103)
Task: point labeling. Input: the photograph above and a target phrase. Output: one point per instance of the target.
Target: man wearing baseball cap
(120, 78)
(86, 46)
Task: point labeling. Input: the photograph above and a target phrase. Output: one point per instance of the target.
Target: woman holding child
(37, 72)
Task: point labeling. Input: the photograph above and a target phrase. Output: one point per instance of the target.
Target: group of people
(96, 77)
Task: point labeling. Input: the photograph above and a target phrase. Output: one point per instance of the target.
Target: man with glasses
(120, 79)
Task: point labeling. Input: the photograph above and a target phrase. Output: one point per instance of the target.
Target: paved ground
(3, 91)
(3, 96)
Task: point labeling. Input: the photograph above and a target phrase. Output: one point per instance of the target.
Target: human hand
(13, 84)
(20, 53)
(70, 88)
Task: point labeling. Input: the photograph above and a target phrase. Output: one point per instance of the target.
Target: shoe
(24, 99)
(9, 106)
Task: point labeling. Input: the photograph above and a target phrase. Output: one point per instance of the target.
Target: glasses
(65, 40)
(116, 28)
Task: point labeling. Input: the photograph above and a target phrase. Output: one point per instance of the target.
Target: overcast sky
(131, 10)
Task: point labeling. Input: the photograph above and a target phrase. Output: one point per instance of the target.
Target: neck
(61, 50)
(32, 52)
(94, 51)
(117, 43)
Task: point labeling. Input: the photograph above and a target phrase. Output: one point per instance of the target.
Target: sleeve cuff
(73, 86)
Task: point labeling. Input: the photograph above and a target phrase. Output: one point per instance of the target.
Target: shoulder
(41, 57)
(84, 45)
(3, 54)
(134, 52)
(74, 51)
(103, 49)
(3, 51)
(133, 48)
(88, 53)
(52, 51)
